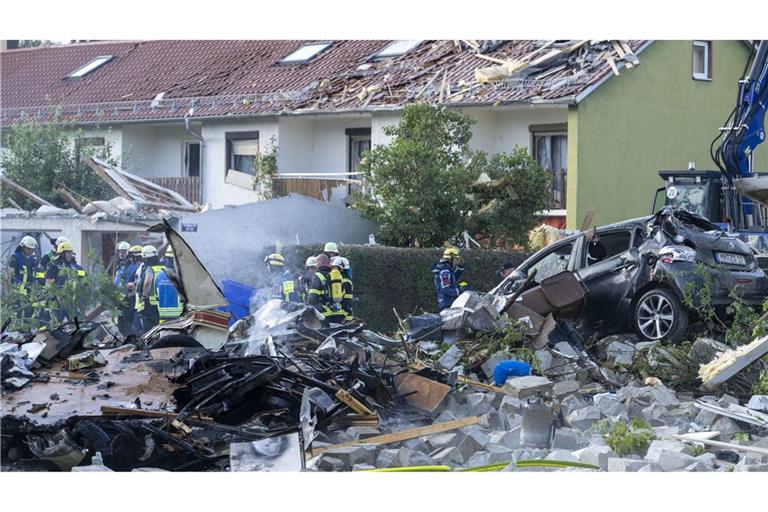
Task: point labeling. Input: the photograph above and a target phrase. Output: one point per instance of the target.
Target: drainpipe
(188, 128)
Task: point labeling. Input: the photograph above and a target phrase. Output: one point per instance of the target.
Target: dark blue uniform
(446, 283)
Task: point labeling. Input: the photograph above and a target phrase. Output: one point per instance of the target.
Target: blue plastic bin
(238, 296)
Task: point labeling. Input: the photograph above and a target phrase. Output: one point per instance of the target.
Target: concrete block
(450, 358)
(652, 467)
(479, 459)
(362, 432)
(596, 455)
(727, 400)
(626, 465)
(705, 419)
(568, 439)
(611, 407)
(582, 419)
(560, 454)
(658, 446)
(697, 467)
(472, 443)
(388, 458)
(351, 455)
(620, 353)
(566, 349)
(443, 440)
(510, 439)
(705, 350)
(674, 461)
(545, 359)
(363, 467)
(571, 403)
(523, 387)
(422, 459)
(493, 421)
(565, 387)
(495, 359)
(727, 428)
(327, 463)
(449, 456)
(510, 404)
(499, 453)
(446, 416)
(478, 403)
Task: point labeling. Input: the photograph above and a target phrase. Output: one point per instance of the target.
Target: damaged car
(648, 275)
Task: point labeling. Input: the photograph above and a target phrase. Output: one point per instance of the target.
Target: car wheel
(659, 315)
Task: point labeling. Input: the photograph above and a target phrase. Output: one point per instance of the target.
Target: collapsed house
(492, 383)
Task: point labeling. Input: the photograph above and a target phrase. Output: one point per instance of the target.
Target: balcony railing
(186, 186)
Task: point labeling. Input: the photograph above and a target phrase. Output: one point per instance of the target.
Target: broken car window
(553, 263)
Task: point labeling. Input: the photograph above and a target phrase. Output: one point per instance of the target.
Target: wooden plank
(404, 435)
(612, 65)
(492, 59)
(23, 191)
(739, 364)
(127, 411)
(479, 385)
(353, 403)
(422, 393)
(14, 203)
(69, 199)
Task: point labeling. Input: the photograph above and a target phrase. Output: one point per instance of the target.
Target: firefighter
(124, 278)
(48, 258)
(305, 279)
(326, 291)
(447, 274)
(60, 269)
(22, 267)
(169, 261)
(342, 265)
(281, 283)
(146, 288)
(331, 250)
(138, 268)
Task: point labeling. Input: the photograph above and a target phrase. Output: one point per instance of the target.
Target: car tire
(659, 315)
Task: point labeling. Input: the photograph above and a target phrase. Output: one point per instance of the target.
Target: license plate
(730, 258)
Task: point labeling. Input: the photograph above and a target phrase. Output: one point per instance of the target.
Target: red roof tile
(244, 78)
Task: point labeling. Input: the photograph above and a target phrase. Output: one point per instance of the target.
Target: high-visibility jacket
(320, 297)
(283, 287)
(55, 266)
(23, 270)
(43, 267)
(138, 292)
(346, 303)
(169, 304)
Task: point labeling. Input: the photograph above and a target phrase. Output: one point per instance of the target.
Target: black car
(640, 273)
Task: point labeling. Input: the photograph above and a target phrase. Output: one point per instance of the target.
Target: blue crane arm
(748, 128)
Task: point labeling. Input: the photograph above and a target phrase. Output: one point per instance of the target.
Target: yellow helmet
(136, 250)
(450, 253)
(275, 260)
(64, 246)
(169, 252)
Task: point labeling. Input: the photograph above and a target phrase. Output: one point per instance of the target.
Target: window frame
(105, 60)
(378, 55)
(184, 153)
(231, 137)
(325, 46)
(706, 76)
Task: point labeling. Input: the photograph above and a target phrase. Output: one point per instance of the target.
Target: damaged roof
(149, 80)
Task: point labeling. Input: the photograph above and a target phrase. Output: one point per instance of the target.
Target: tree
(428, 185)
(507, 198)
(41, 157)
(420, 178)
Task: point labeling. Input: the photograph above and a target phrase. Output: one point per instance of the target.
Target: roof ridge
(86, 43)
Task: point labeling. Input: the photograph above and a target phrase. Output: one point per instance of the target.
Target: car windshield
(689, 197)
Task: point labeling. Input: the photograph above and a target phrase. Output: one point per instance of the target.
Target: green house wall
(654, 116)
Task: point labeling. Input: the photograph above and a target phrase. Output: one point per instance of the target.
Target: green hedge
(387, 277)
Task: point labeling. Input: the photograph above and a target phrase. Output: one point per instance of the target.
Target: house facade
(602, 117)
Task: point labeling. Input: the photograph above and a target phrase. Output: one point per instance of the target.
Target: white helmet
(341, 262)
(310, 262)
(124, 246)
(28, 242)
(331, 247)
(148, 251)
(61, 239)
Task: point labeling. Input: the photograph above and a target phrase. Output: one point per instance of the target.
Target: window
(608, 245)
(359, 143)
(91, 66)
(305, 53)
(552, 263)
(395, 49)
(550, 149)
(88, 146)
(242, 148)
(192, 159)
(702, 60)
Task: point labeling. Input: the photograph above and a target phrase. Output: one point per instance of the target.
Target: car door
(562, 255)
(609, 264)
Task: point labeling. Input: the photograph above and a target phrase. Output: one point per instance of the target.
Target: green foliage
(390, 277)
(671, 363)
(421, 180)
(760, 387)
(698, 449)
(40, 157)
(744, 321)
(76, 296)
(507, 206)
(264, 168)
(634, 437)
(697, 297)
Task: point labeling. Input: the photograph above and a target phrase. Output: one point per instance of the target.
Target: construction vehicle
(733, 197)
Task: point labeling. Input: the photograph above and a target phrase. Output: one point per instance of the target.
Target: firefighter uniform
(446, 274)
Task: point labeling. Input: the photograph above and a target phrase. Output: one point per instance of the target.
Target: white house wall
(215, 190)
(156, 150)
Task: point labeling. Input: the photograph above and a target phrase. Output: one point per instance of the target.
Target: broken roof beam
(23, 191)
(137, 189)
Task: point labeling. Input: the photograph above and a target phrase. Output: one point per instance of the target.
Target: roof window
(395, 49)
(91, 66)
(305, 53)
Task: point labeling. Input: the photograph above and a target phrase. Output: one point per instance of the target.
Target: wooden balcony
(316, 188)
(186, 186)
